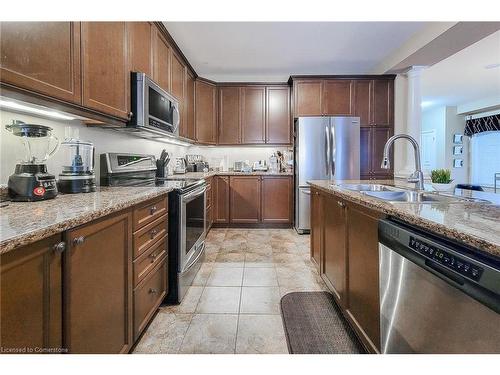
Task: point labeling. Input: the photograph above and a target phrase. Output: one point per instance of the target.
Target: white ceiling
(272, 51)
(462, 78)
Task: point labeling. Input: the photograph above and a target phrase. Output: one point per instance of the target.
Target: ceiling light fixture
(35, 110)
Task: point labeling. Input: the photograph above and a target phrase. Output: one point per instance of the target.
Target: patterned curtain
(482, 124)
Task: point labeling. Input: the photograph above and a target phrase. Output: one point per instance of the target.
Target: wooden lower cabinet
(346, 236)
(98, 293)
(245, 192)
(31, 298)
(317, 226)
(363, 307)
(334, 260)
(221, 200)
(277, 199)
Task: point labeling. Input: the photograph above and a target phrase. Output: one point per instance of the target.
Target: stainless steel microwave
(154, 110)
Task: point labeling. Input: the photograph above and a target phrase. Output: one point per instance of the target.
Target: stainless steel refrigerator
(326, 148)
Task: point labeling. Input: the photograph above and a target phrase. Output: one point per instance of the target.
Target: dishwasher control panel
(448, 260)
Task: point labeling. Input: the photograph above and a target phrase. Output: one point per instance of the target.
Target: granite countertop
(22, 223)
(189, 175)
(476, 224)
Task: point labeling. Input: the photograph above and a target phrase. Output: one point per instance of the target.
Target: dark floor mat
(314, 324)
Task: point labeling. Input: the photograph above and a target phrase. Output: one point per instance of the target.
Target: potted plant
(441, 179)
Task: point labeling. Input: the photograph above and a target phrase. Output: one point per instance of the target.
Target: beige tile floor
(233, 305)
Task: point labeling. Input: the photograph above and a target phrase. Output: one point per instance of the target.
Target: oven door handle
(194, 261)
(193, 194)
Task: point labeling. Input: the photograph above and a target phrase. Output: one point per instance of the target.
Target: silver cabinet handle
(152, 210)
(341, 204)
(78, 240)
(153, 233)
(152, 291)
(59, 247)
(308, 192)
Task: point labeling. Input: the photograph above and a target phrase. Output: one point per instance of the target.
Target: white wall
(106, 140)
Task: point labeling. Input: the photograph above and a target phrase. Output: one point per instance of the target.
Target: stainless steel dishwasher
(435, 296)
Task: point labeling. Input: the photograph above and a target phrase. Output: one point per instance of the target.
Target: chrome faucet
(416, 177)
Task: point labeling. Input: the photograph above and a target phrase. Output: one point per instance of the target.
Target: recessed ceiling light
(35, 110)
(492, 66)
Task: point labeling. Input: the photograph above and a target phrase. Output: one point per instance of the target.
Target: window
(485, 157)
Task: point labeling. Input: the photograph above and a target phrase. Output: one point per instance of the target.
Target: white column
(413, 124)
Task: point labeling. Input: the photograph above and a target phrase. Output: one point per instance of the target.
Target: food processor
(77, 174)
(31, 181)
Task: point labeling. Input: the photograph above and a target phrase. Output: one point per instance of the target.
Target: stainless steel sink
(408, 196)
(366, 187)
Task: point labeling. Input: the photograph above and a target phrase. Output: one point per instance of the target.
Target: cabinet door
(189, 105)
(365, 149)
(334, 250)
(99, 286)
(383, 98)
(43, 57)
(30, 298)
(337, 97)
(244, 199)
(253, 114)
(380, 135)
(316, 226)
(106, 78)
(363, 279)
(229, 116)
(277, 197)
(205, 112)
(362, 101)
(178, 89)
(307, 98)
(220, 211)
(161, 60)
(140, 47)
(278, 129)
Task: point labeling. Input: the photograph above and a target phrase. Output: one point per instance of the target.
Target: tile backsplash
(106, 140)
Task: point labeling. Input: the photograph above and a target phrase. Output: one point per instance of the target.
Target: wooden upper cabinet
(337, 97)
(383, 102)
(106, 78)
(220, 188)
(178, 88)
(334, 261)
(363, 101)
(43, 57)
(278, 125)
(140, 47)
(99, 286)
(277, 198)
(31, 297)
(379, 136)
(245, 193)
(161, 60)
(205, 112)
(229, 115)
(253, 114)
(308, 98)
(189, 106)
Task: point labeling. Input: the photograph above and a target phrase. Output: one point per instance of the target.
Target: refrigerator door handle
(333, 150)
(327, 149)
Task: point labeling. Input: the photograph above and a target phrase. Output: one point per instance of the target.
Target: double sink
(393, 194)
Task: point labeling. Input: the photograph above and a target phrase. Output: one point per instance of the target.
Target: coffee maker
(77, 175)
(31, 181)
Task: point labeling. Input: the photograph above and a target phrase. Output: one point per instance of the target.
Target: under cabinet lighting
(31, 109)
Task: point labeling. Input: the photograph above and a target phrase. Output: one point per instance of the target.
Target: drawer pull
(341, 204)
(78, 240)
(153, 257)
(152, 291)
(59, 247)
(152, 210)
(153, 233)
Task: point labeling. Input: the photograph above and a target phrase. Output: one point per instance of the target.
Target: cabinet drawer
(148, 296)
(150, 234)
(149, 260)
(147, 212)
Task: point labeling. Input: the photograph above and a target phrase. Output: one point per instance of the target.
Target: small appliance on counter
(31, 181)
(77, 175)
(162, 164)
(180, 166)
(195, 163)
(242, 166)
(260, 166)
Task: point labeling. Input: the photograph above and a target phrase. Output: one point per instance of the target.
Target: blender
(77, 174)
(31, 181)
